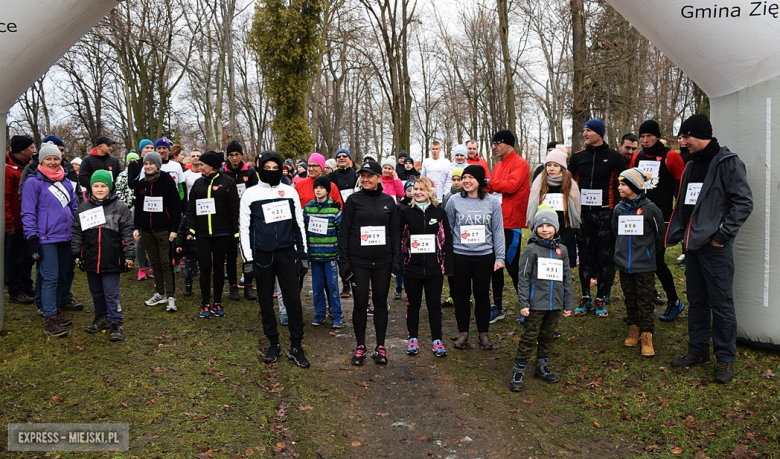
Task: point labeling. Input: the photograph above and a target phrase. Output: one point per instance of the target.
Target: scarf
(572, 206)
(151, 178)
(555, 181)
(52, 175)
(422, 205)
(631, 204)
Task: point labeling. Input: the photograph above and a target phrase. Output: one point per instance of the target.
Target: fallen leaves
(677, 450)
(767, 374)
(596, 425)
(355, 444)
(305, 408)
(361, 383)
(56, 400)
(280, 447)
(207, 455)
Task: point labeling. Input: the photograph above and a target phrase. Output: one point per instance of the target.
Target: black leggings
(665, 275)
(514, 243)
(477, 269)
(232, 270)
(211, 255)
(414, 292)
(379, 281)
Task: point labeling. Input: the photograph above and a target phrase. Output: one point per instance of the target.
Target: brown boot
(633, 336)
(484, 342)
(463, 341)
(64, 321)
(52, 327)
(647, 345)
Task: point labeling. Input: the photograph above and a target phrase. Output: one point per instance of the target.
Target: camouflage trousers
(638, 291)
(537, 327)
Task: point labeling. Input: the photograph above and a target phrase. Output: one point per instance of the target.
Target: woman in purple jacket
(48, 207)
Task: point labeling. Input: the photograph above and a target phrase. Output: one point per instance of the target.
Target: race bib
(472, 234)
(498, 196)
(631, 225)
(590, 198)
(153, 204)
(276, 211)
(549, 269)
(423, 243)
(372, 235)
(650, 166)
(205, 207)
(345, 194)
(554, 201)
(73, 184)
(92, 218)
(318, 225)
(59, 192)
(692, 195)
(241, 187)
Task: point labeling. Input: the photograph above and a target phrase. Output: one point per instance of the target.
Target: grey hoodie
(542, 294)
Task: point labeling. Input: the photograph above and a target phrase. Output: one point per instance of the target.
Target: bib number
(631, 225)
(153, 204)
(345, 194)
(423, 243)
(591, 198)
(92, 218)
(372, 235)
(549, 269)
(205, 207)
(318, 225)
(554, 201)
(276, 212)
(692, 195)
(654, 167)
(241, 187)
(59, 192)
(472, 234)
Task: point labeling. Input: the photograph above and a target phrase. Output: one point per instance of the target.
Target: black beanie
(650, 127)
(552, 145)
(322, 181)
(234, 146)
(20, 142)
(504, 136)
(697, 126)
(211, 158)
(403, 154)
(476, 171)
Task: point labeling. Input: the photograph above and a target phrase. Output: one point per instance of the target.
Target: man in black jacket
(99, 158)
(345, 178)
(713, 203)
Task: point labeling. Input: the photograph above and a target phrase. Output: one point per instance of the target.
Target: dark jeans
(596, 245)
(211, 256)
(638, 293)
(232, 269)
(53, 267)
(378, 280)
(281, 265)
(539, 327)
(476, 271)
(710, 276)
(104, 289)
(18, 264)
(514, 239)
(665, 275)
(414, 293)
(158, 251)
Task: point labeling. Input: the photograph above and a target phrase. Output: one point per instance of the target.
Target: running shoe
(380, 355)
(284, 319)
(156, 299)
(496, 314)
(318, 318)
(601, 308)
(413, 346)
(672, 311)
(438, 348)
(585, 305)
(360, 355)
(205, 312)
(217, 310)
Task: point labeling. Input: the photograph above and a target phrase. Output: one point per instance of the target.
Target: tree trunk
(579, 111)
(503, 25)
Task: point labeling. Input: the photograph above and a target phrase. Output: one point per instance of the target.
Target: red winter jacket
(305, 189)
(481, 162)
(512, 178)
(13, 206)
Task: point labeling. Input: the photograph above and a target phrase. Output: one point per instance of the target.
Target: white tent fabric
(731, 52)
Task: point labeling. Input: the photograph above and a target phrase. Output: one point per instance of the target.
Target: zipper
(100, 246)
(151, 189)
(208, 196)
(629, 250)
(552, 284)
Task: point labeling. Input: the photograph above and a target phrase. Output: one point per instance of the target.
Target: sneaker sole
(171, 310)
(338, 326)
(204, 317)
(602, 314)
(57, 335)
(116, 339)
(358, 364)
(414, 352)
(156, 303)
(302, 365)
(444, 354)
(501, 317)
(92, 332)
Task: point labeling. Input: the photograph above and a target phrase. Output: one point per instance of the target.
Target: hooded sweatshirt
(543, 293)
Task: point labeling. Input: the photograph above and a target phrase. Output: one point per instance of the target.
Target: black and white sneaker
(272, 354)
(297, 355)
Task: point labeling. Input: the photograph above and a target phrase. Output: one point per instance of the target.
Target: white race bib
(92, 218)
(153, 204)
(692, 195)
(345, 194)
(631, 225)
(241, 187)
(653, 167)
(472, 234)
(498, 196)
(73, 184)
(591, 198)
(423, 243)
(59, 192)
(554, 201)
(549, 269)
(372, 235)
(318, 225)
(276, 211)
(205, 206)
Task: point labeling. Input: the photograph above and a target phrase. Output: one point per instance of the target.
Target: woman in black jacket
(212, 220)
(369, 242)
(426, 251)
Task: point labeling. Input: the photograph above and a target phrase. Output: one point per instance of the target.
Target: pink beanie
(317, 159)
(557, 155)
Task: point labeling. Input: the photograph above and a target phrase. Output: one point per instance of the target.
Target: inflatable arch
(730, 50)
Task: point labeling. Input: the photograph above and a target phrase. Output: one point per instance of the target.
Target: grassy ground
(188, 386)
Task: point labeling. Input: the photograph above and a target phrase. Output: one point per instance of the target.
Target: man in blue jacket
(713, 203)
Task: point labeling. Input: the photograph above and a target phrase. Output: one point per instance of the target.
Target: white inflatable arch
(730, 49)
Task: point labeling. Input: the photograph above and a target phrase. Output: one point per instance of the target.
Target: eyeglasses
(342, 157)
(235, 155)
(312, 166)
(495, 144)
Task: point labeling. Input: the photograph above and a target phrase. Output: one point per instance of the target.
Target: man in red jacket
(305, 187)
(18, 265)
(511, 181)
(473, 157)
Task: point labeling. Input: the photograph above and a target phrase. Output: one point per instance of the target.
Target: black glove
(303, 266)
(249, 267)
(34, 248)
(345, 271)
(396, 269)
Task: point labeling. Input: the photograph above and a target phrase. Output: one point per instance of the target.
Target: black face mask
(271, 177)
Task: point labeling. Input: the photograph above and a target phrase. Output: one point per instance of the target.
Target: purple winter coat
(42, 213)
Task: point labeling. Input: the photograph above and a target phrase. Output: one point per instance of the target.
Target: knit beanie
(317, 159)
(330, 162)
(697, 126)
(650, 127)
(289, 163)
(49, 149)
(212, 159)
(557, 156)
(409, 184)
(162, 142)
(54, 139)
(504, 136)
(143, 143)
(552, 144)
(343, 150)
(408, 160)
(460, 150)
(155, 157)
(638, 180)
(476, 171)
(458, 172)
(403, 154)
(322, 181)
(76, 160)
(596, 126)
(234, 146)
(20, 142)
(545, 214)
(388, 161)
(128, 158)
(102, 176)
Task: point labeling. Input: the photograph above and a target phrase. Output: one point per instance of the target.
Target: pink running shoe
(142, 274)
